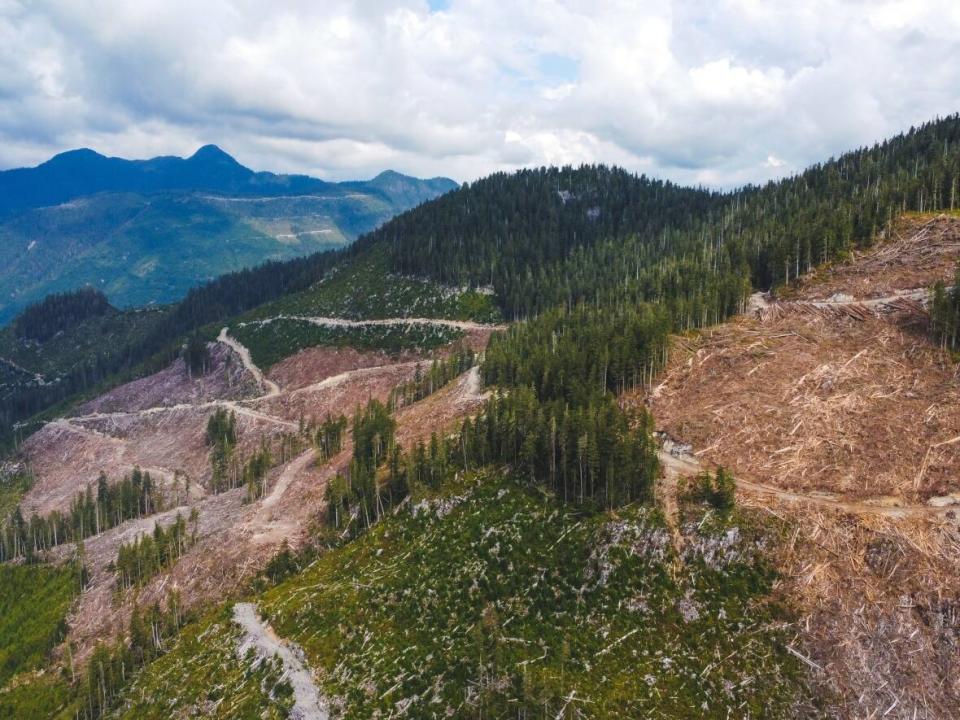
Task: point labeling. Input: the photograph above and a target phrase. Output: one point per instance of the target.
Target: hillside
(146, 231)
(433, 613)
(569, 442)
(839, 416)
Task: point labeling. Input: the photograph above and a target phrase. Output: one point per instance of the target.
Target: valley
(147, 231)
(640, 455)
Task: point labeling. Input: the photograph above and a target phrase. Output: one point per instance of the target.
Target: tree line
(112, 666)
(145, 342)
(598, 235)
(593, 235)
(58, 312)
(441, 372)
(945, 313)
(554, 419)
(91, 512)
(149, 554)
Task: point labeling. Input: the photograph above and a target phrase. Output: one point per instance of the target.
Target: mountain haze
(583, 436)
(146, 231)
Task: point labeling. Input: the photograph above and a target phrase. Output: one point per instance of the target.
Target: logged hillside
(490, 600)
(550, 238)
(356, 466)
(838, 414)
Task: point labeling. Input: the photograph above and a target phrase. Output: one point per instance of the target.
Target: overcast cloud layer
(719, 93)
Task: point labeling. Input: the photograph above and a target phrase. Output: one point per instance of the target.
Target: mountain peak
(74, 156)
(213, 153)
(391, 175)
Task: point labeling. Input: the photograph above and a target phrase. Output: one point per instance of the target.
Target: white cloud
(720, 93)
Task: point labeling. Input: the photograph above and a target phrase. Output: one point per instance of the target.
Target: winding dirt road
(340, 322)
(241, 350)
(257, 634)
(678, 463)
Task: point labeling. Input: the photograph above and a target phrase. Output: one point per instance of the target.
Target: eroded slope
(842, 420)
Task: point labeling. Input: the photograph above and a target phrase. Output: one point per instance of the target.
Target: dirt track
(679, 464)
(340, 322)
(235, 538)
(308, 702)
(244, 354)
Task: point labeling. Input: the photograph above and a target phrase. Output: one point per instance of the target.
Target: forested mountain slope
(146, 231)
(553, 236)
(443, 532)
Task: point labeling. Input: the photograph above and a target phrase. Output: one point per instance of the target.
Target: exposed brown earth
(235, 539)
(859, 405)
(314, 364)
(843, 424)
(226, 380)
(862, 409)
(918, 251)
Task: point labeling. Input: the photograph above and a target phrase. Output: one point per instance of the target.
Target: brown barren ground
(159, 423)
(832, 418)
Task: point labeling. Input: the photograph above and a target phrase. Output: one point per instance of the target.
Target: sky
(717, 93)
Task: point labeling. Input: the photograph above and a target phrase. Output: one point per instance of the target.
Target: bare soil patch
(842, 423)
(857, 408)
(315, 364)
(226, 380)
(917, 251)
(880, 600)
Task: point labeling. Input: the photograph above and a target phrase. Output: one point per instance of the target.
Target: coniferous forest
(595, 268)
(92, 512)
(599, 235)
(561, 237)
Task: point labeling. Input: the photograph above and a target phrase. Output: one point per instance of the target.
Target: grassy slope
(40, 697)
(203, 677)
(34, 600)
(491, 598)
(364, 289)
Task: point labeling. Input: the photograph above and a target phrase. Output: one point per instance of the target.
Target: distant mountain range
(146, 231)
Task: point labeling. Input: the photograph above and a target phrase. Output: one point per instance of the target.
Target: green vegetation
(542, 239)
(196, 355)
(361, 289)
(490, 599)
(231, 470)
(328, 438)
(221, 437)
(271, 342)
(561, 236)
(147, 555)
(146, 232)
(202, 676)
(41, 697)
(90, 514)
(945, 314)
(12, 488)
(74, 360)
(554, 420)
(59, 312)
(34, 600)
(93, 692)
(440, 373)
(365, 289)
(719, 490)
